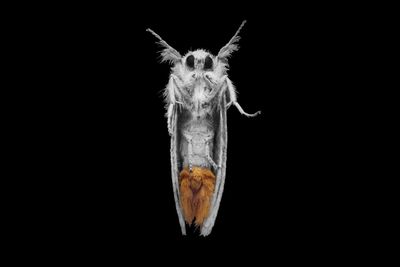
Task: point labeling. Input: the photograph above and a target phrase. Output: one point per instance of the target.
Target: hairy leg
(233, 99)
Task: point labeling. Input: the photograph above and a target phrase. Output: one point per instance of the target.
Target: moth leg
(169, 118)
(210, 79)
(209, 157)
(190, 151)
(176, 89)
(233, 99)
(173, 95)
(170, 91)
(243, 112)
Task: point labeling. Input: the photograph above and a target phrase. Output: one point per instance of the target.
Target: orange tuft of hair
(196, 189)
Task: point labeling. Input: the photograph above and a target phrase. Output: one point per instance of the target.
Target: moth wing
(219, 156)
(175, 166)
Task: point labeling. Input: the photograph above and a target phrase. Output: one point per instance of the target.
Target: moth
(197, 97)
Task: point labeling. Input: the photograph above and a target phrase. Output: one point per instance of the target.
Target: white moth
(198, 94)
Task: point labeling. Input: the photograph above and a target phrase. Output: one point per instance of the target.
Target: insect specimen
(198, 95)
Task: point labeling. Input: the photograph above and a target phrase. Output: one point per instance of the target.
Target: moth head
(199, 60)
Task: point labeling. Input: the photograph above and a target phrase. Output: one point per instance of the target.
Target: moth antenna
(232, 45)
(168, 54)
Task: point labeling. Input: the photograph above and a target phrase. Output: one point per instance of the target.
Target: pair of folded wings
(219, 157)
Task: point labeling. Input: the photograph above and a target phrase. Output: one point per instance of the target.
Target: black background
(111, 145)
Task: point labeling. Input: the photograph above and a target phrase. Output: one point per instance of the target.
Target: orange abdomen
(196, 190)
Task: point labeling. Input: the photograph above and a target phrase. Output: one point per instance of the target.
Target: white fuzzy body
(197, 95)
(196, 92)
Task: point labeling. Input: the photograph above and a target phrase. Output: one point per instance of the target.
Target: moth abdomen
(196, 190)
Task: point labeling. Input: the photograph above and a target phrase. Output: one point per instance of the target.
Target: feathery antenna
(231, 46)
(168, 54)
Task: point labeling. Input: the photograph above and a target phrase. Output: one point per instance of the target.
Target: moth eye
(190, 61)
(208, 63)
